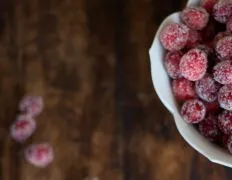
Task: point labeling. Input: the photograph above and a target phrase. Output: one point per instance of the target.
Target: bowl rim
(188, 132)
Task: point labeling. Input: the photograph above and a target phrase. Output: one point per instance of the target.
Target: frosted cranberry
(229, 25)
(195, 17)
(32, 105)
(172, 64)
(22, 128)
(174, 36)
(212, 107)
(209, 128)
(207, 88)
(206, 48)
(225, 97)
(39, 155)
(222, 10)
(193, 111)
(183, 89)
(222, 72)
(208, 4)
(225, 122)
(219, 36)
(224, 48)
(193, 39)
(193, 64)
(229, 144)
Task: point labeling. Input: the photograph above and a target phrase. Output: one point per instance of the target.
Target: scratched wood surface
(89, 60)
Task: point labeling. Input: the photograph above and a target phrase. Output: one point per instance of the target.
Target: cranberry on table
(172, 64)
(174, 36)
(193, 111)
(39, 155)
(193, 64)
(225, 97)
(224, 48)
(22, 128)
(183, 89)
(195, 17)
(209, 128)
(32, 105)
(222, 10)
(207, 88)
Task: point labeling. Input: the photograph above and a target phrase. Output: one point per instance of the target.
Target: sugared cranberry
(195, 17)
(219, 36)
(193, 64)
(224, 48)
(22, 128)
(222, 10)
(208, 4)
(32, 105)
(174, 36)
(193, 39)
(183, 89)
(172, 64)
(225, 122)
(209, 128)
(193, 111)
(212, 107)
(207, 88)
(39, 155)
(225, 97)
(229, 25)
(222, 72)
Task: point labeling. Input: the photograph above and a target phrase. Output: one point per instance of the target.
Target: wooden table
(89, 60)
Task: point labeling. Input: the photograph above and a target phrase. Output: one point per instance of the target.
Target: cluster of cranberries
(199, 61)
(40, 154)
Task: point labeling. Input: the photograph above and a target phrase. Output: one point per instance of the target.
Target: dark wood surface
(89, 60)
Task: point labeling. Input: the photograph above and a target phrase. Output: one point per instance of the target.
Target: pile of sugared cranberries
(198, 59)
(39, 155)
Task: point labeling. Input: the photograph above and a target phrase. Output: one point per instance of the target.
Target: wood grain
(89, 60)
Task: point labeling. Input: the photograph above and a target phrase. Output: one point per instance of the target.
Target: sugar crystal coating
(22, 128)
(32, 105)
(39, 155)
(222, 10)
(183, 89)
(193, 111)
(193, 64)
(207, 88)
(225, 122)
(209, 128)
(225, 97)
(172, 64)
(195, 17)
(224, 48)
(174, 36)
(222, 72)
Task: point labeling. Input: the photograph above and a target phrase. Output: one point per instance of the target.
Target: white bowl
(162, 86)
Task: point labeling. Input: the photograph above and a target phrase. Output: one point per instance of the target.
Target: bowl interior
(163, 89)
